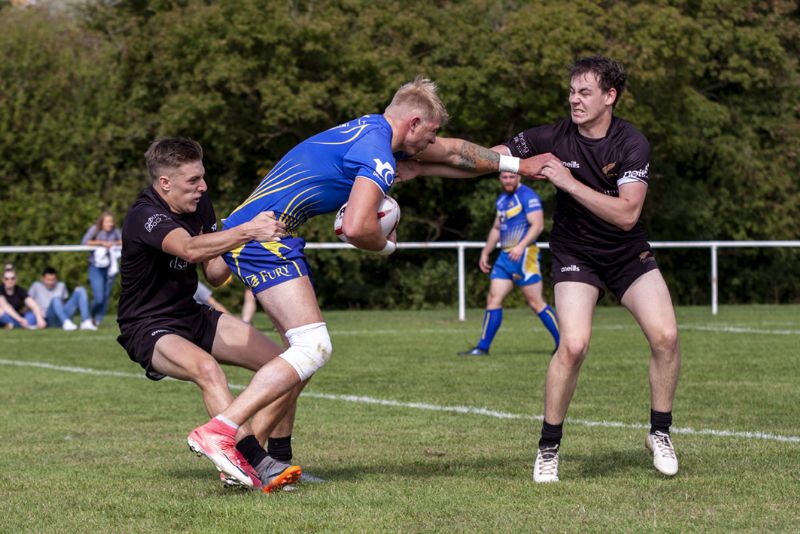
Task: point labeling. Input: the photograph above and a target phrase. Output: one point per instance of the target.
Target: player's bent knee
(208, 372)
(573, 351)
(309, 348)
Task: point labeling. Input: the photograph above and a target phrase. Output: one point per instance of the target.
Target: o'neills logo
(571, 164)
(573, 268)
(638, 174)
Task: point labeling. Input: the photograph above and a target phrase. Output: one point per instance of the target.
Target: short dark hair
(609, 73)
(49, 270)
(171, 152)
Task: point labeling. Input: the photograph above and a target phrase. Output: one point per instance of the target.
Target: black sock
(280, 448)
(251, 449)
(551, 435)
(660, 421)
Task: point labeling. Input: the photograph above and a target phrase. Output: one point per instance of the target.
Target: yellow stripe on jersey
(288, 211)
(271, 191)
(513, 238)
(273, 175)
(359, 128)
(275, 247)
(513, 211)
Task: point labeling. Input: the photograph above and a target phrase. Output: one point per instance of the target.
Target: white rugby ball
(388, 217)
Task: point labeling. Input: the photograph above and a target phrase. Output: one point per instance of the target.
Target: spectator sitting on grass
(52, 297)
(18, 309)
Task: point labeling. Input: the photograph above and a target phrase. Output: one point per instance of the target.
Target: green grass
(105, 453)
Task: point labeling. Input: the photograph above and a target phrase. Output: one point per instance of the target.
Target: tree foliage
(713, 84)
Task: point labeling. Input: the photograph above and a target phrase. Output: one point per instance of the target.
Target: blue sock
(548, 318)
(492, 320)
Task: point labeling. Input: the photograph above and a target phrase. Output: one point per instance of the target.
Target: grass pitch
(394, 425)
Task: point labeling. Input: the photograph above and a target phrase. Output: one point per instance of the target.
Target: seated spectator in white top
(58, 307)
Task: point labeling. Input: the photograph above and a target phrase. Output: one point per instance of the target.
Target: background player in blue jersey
(354, 162)
(516, 227)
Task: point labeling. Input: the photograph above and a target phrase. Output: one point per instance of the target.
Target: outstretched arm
(457, 158)
(461, 154)
(201, 248)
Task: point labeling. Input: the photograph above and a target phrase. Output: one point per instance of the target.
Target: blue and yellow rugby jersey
(513, 209)
(316, 176)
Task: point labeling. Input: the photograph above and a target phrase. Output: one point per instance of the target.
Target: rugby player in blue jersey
(516, 227)
(354, 162)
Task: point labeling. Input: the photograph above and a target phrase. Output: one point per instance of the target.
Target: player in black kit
(169, 230)
(600, 165)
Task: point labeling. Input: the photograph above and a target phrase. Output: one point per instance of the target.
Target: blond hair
(418, 96)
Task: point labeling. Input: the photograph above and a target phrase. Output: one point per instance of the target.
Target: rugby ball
(388, 217)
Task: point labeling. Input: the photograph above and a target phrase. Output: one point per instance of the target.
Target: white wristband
(508, 164)
(388, 249)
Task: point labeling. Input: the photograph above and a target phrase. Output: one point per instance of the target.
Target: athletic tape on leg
(309, 348)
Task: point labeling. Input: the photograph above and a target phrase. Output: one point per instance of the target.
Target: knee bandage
(309, 348)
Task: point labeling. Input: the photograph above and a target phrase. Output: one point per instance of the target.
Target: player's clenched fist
(266, 228)
(532, 167)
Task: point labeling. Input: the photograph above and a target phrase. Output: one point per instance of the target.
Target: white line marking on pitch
(726, 329)
(468, 330)
(467, 410)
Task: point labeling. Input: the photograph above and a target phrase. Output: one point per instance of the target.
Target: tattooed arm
(456, 158)
(463, 155)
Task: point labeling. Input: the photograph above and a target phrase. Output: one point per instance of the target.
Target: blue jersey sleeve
(371, 158)
(530, 200)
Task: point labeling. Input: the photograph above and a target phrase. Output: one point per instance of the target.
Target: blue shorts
(6, 319)
(263, 265)
(523, 272)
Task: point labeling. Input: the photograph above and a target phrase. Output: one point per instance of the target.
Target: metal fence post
(462, 298)
(714, 295)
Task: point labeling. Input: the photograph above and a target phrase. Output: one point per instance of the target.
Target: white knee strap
(309, 348)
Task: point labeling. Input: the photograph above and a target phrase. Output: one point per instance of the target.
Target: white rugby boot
(664, 458)
(545, 468)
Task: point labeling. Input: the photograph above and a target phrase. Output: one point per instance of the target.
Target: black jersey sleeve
(635, 161)
(533, 141)
(151, 224)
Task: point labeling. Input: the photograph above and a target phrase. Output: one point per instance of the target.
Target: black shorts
(614, 269)
(139, 338)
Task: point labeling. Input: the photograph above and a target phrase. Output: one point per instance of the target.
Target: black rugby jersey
(154, 283)
(622, 156)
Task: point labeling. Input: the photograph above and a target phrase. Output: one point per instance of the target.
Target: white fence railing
(461, 246)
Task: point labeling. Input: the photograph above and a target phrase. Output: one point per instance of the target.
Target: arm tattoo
(474, 157)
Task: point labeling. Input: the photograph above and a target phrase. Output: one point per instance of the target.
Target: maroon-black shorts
(139, 338)
(613, 269)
